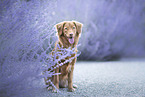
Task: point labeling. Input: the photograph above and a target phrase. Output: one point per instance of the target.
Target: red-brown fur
(64, 29)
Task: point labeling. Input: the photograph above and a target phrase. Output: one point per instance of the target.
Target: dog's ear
(78, 26)
(59, 28)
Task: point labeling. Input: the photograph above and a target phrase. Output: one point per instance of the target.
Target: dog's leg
(56, 81)
(70, 77)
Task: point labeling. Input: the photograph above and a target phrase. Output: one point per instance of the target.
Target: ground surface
(108, 79)
(125, 78)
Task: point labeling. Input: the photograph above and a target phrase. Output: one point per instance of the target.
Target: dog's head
(69, 29)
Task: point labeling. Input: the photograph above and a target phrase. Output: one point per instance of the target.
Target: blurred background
(112, 29)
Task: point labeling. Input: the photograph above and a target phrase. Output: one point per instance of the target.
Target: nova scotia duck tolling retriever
(68, 33)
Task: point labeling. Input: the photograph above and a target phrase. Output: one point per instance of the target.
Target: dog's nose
(71, 35)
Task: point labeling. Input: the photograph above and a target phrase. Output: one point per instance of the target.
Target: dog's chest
(65, 69)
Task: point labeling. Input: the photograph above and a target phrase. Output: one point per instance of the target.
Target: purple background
(112, 28)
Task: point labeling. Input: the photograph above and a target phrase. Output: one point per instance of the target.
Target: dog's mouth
(71, 40)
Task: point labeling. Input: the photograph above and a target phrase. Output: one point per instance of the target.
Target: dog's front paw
(75, 86)
(71, 89)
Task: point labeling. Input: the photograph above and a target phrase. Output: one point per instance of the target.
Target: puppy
(68, 33)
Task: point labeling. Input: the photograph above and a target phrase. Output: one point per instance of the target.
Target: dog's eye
(74, 27)
(65, 28)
